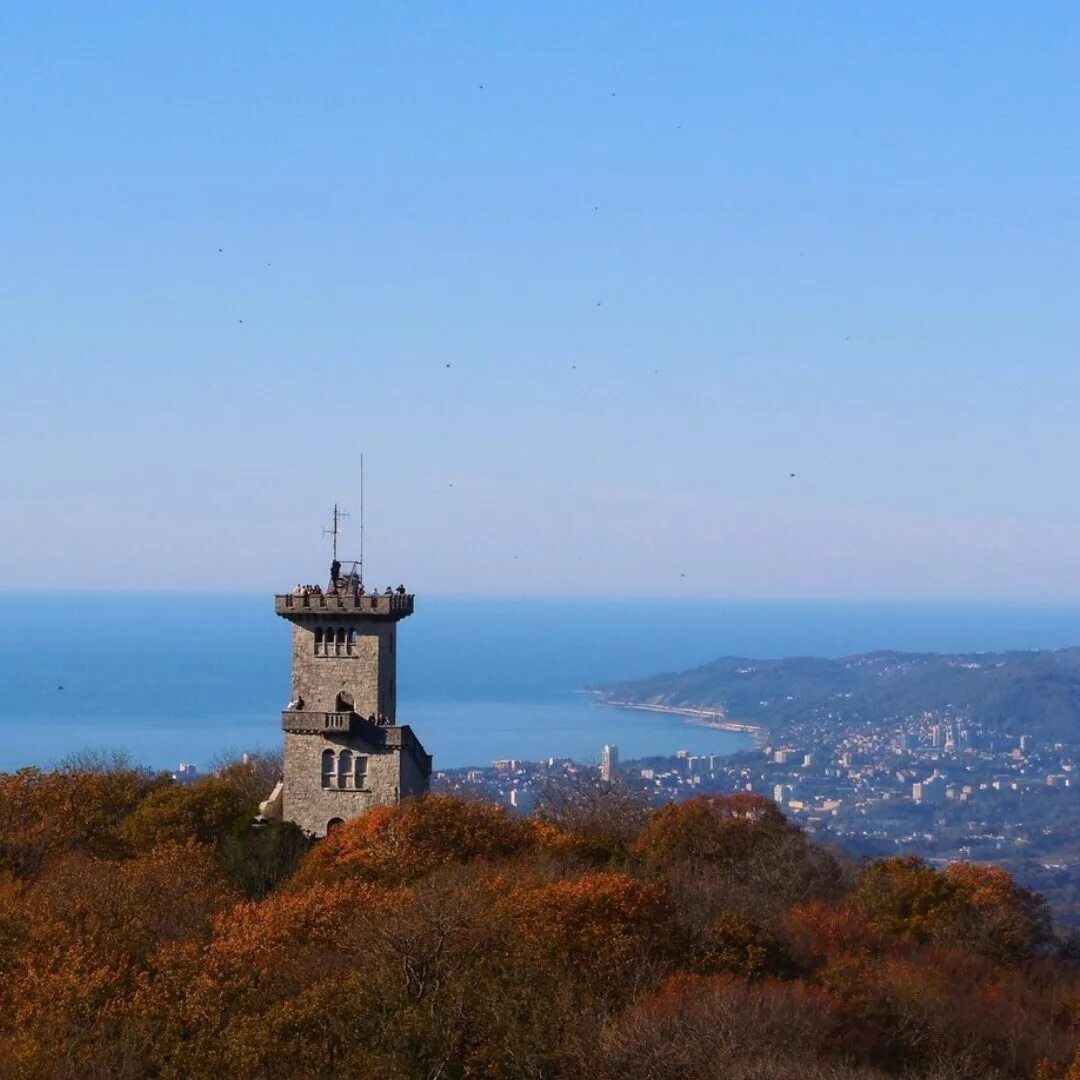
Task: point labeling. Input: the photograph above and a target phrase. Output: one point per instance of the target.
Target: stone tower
(344, 749)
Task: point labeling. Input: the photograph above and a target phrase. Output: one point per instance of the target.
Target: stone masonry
(344, 750)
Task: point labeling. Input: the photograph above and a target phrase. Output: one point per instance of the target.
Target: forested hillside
(146, 929)
(1039, 690)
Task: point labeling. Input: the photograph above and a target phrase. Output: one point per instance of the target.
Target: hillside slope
(1038, 691)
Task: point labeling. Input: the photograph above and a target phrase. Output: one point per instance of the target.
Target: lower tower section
(337, 774)
(344, 750)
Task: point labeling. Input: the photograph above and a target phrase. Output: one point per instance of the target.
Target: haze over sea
(172, 678)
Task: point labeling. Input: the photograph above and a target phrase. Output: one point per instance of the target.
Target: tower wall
(393, 774)
(364, 668)
(344, 751)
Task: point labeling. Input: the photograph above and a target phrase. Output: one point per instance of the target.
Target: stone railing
(396, 605)
(321, 723)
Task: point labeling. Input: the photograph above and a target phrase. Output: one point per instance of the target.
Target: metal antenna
(335, 529)
(361, 519)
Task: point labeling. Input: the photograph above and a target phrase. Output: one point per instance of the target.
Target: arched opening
(344, 769)
(318, 640)
(343, 702)
(340, 640)
(332, 824)
(328, 759)
(360, 772)
(352, 642)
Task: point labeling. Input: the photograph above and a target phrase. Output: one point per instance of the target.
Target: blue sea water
(170, 678)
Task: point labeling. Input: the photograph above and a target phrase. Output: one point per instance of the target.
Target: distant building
(783, 793)
(609, 763)
(929, 791)
(521, 800)
(186, 774)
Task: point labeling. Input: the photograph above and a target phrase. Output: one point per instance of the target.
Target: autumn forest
(148, 929)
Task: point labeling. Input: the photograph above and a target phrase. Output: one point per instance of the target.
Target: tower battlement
(371, 605)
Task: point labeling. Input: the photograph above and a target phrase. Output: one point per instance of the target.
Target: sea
(197, 677)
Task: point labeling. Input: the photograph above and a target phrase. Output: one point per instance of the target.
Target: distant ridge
(1037, 691)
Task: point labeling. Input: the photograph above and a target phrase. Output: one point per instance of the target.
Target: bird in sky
(447, 365)
(59, 688)
(791, 475)
(219, 250)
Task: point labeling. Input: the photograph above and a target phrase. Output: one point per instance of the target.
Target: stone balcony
(303, 722)
(370, 605)
(377, 737)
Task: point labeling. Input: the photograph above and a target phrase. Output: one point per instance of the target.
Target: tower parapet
(344, 750)
(377, 605)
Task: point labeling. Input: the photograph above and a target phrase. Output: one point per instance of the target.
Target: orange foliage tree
(443, 938)
(395, 844)
(45, 814)
(978, 907)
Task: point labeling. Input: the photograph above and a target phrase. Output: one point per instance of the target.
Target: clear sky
(671, 253)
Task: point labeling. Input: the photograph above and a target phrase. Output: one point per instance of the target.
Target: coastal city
(930, 784)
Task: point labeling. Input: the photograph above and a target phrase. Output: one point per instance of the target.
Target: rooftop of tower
(345, 595)
(392, 605)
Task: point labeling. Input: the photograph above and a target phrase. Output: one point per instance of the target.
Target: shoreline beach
(712, 718)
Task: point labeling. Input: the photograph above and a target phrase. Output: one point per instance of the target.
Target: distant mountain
(1036, 692)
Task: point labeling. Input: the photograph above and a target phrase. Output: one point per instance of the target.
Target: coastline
(711, 718)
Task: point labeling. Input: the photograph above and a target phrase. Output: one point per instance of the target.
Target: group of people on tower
(335, 589)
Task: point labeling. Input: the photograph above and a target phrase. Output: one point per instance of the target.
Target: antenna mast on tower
(361, 519)
(335, 529)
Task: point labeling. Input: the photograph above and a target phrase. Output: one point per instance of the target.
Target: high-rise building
(609, 763)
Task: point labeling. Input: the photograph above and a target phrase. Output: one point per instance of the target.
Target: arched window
(332, 824)
(343, 702)
(352, 642)
(340, 640)
(327, 768)
(318, 640)
(344, 769)
(360, 771)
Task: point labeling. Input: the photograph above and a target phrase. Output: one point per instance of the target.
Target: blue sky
(672, 253)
